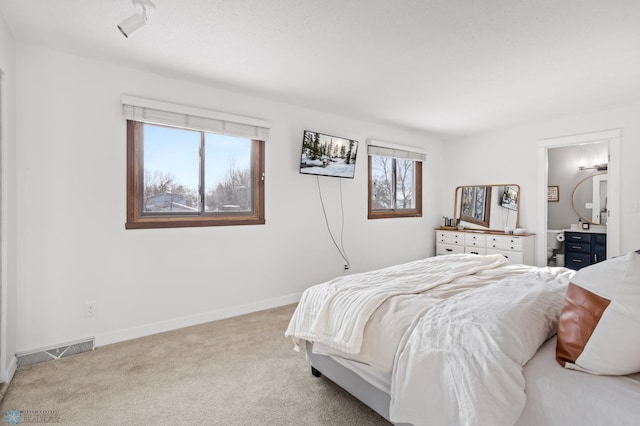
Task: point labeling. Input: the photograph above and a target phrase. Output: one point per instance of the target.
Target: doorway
(3, 281)
(588, 143)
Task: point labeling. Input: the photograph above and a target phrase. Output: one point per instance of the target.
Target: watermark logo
(13, 417)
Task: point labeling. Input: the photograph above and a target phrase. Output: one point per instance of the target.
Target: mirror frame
(457, 207)
(573, 197)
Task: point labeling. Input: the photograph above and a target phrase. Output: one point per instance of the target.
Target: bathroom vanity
(584, 248)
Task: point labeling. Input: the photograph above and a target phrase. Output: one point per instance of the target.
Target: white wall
(73, 246)
(510, 156)
(8, 271)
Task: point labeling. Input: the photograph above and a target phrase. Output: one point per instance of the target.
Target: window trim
(137, 221)
(391, 213)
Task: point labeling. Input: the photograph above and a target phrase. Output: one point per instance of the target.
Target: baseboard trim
(177, 323)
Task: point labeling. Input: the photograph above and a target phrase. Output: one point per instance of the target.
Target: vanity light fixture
(598, 167)
(137, 20)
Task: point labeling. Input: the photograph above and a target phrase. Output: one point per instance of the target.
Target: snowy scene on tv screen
(327, 155)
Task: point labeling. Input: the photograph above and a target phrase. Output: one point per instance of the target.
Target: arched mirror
(488, 207)
(589, 199)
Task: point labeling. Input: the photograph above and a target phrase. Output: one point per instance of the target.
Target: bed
(457, 339)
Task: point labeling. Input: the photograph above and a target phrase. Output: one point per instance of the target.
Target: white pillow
(599, 327)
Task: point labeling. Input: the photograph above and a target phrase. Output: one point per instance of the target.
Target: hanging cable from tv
(340, 247)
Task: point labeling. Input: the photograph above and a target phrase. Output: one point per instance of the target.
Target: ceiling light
(598, 167)
(137, 20)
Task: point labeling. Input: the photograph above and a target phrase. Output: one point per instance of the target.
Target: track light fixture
(137, 20)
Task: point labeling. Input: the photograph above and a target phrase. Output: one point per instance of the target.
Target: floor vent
(44, 355)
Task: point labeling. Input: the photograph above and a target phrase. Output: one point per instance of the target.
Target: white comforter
(389, 323)
(460, 361)
(335, 313)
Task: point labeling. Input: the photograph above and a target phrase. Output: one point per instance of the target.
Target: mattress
(555, 396)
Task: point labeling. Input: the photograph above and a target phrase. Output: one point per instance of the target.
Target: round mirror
(589, 199)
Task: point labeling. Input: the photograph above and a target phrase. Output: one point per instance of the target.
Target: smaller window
(395, 187)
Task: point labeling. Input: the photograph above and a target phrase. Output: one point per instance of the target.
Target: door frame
(612, 137)
(4, 375)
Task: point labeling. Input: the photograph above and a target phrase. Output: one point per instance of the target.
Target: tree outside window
(395, 187)
(182, 177)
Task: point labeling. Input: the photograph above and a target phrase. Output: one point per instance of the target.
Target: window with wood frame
(187, 175)
(395, 183)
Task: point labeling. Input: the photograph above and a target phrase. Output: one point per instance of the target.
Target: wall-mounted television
(327, 155)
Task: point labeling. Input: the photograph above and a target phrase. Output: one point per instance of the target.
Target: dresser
(516, 248)
(584, 248)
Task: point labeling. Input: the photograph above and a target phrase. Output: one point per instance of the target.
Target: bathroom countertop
(592, 230)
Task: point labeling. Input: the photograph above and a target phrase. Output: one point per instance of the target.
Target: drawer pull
(577, 260)
(576, 237)
(449, 249)
(576, 248)
(474, 252)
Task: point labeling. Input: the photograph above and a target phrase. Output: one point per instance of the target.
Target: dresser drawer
(505, 243)
(574, 247)
(449, 237)
(577, 237)
(449, 249)
(474, 240)
(577, 261)
(512, 256)
(475, 250)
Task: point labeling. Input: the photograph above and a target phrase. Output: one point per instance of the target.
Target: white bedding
(435, 372)
(559, 397)
(335, 313)
(391, 320)
(460, 363)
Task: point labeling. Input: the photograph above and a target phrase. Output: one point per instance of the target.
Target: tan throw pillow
(599, 327)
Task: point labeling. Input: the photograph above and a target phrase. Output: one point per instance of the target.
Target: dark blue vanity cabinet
(584, 248)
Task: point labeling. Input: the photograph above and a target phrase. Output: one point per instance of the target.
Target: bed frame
(376, 399)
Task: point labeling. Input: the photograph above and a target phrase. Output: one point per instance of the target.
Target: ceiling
(449, 67)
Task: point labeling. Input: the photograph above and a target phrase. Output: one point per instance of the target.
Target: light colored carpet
(238, 371)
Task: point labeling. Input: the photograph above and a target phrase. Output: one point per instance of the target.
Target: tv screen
(327, 155)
